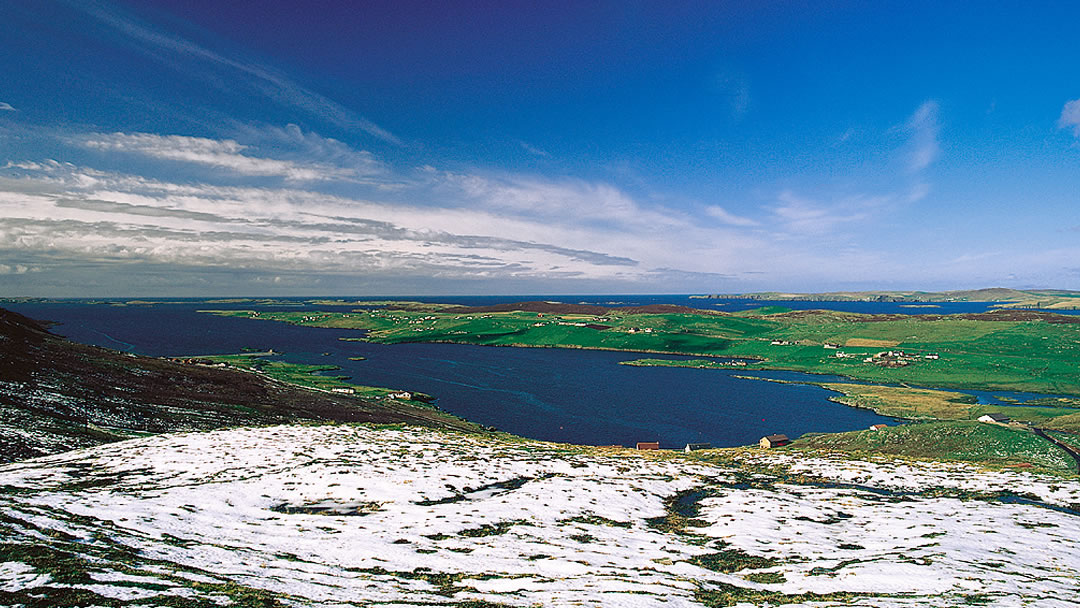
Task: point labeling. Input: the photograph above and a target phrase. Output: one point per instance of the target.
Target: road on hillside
(1071, 451)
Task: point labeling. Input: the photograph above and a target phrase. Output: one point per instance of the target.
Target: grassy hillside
(969, 441)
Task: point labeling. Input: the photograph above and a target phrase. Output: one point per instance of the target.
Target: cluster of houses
(898, 358)
(403, 395)
(197, 361)
(887, 358)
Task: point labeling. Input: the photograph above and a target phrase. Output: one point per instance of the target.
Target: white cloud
(1070, 117)
(6, 107)
(17, 269)
(451, 226)
(221, 153)
(726, 217)
(923, 129)
(117, 217)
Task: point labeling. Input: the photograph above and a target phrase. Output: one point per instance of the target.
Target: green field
(996, 351)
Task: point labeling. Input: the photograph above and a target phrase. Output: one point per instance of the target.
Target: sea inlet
(562, 395)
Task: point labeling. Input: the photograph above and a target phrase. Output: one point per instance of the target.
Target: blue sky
(243, 148)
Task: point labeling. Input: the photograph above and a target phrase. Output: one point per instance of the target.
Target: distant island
(1050, 299)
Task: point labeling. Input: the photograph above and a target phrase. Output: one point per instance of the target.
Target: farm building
(994, 418)
(648, 445)
(693, 447)
(773, 441)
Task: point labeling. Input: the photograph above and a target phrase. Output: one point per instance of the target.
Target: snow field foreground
(348, 515)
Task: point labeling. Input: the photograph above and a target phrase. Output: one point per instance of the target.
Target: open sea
(563, 395)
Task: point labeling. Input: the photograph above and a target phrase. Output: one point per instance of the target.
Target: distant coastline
(1002, 297)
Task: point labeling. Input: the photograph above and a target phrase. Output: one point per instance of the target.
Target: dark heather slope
(57, 395)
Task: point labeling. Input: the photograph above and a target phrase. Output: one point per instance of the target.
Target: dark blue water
(567, 395)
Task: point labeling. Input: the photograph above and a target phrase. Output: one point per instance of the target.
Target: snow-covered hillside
(350, 515)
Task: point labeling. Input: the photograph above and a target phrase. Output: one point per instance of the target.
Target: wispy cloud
(576, 200)
(917, 192)
(6, 107)
(436, 224)
(923, 129)
(863, 199)
(230, 155)
(84, 214)
(801, 216)
(272, 83)
(721, 214)
(1070, 117)
(531, 149)
(310, 147)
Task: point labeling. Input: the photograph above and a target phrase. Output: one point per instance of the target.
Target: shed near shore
(774, 441)
(648, 445)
